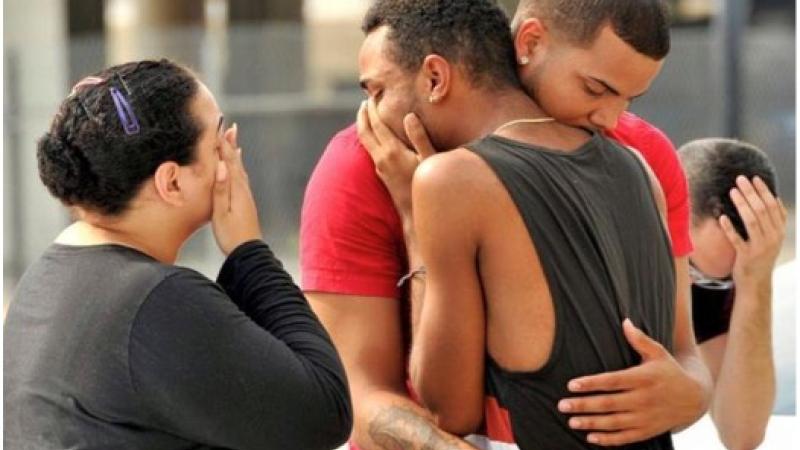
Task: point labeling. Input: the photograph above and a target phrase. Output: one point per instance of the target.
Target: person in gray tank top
(536, 240)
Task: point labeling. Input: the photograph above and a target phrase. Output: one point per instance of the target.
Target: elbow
(454, 414)
(346, 428)
(740, 433)
(329, 418)
(457, 408)
(340, 436)
(743, 439)
(331, 429)
(343, 424)
(458, 423)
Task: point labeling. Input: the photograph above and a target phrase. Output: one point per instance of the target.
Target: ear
(531, 36)
(437, 75)
(167, 183)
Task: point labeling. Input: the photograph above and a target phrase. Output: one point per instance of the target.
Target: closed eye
(369, 88)
(593, 91)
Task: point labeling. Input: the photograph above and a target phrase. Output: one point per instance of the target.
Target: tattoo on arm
(401, 428)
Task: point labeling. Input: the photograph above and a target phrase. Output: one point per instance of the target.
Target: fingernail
(564, 406)
(593, 439)
(574, 423)
(574, 385)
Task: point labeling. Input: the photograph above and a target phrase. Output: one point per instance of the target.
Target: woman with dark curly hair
(108, 344)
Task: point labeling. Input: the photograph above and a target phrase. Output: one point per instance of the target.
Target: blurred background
(285, 71)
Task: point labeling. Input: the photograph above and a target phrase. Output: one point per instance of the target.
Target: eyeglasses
(702, 280)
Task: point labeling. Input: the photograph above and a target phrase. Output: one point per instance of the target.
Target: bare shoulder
(458, 170)
(456, 190)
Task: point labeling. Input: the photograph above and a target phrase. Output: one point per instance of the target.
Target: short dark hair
(643, 24)
(711, 167)
(86, 158)
(473, 33)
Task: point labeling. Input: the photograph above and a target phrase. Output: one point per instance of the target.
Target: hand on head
(235, 218)
(764, 218)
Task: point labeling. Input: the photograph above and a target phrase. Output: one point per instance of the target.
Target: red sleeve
(351, 238)
(660, 154)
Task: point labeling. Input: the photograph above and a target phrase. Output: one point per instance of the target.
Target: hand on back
(636, 403)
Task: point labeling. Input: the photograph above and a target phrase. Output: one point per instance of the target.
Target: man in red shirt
(353, 251)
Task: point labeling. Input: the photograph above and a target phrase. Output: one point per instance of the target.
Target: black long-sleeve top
(107, 348)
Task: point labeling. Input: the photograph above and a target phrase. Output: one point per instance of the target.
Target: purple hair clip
(129, 121)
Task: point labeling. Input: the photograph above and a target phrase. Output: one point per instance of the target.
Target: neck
(155, 238)
(515, 105)
(489, 110)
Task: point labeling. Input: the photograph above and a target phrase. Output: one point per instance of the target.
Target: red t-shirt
(660, 154)
(351, 237)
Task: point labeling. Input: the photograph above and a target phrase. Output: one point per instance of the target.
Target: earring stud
(524, 60)
(433, 99)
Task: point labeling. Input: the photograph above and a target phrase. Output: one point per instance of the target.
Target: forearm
(696, 392)
(699, 389)
(449, 382)
(694, 396)
(257, 283)
(745, 389)
(391, 421)
(416, 289)
(187, 325)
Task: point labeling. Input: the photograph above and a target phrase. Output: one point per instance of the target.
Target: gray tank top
(606, 256)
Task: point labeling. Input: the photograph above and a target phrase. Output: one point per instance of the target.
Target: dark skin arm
(367, 333)
(447, 359)
(395, 164)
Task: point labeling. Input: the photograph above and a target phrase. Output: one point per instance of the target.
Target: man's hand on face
(637, 403)
(395, 163)
(764, 218)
